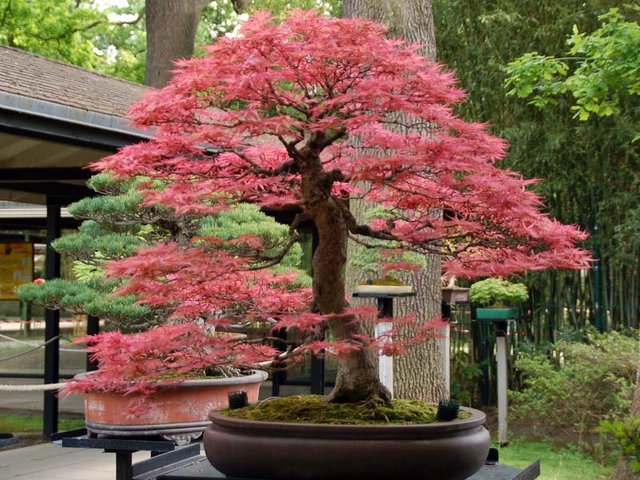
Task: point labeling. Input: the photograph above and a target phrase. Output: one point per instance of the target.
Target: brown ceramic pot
(287, 451)
(176, 411)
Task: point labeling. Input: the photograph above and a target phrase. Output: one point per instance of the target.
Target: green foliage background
(589, 169)
(112, 39)
(568, 389)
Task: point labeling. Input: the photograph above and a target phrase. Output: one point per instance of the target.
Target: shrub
(575, 386)
(626, 435)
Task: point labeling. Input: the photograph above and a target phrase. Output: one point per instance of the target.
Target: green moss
(312, 409)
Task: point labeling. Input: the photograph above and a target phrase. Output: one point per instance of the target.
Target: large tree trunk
(419, 374)
(171, 34)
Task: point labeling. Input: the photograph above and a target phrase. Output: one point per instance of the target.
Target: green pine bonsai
(116, 225)
(498, 292)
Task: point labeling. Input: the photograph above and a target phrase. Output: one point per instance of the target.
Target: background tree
(419, 373)
(589, 168)
(172, 26)
(600, 73)
(280, 105)
(63, 30)
(171, 33)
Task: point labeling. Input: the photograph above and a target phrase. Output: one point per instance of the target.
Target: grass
(11, 423)
(555, 463)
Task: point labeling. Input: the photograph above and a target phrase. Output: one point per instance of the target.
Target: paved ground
(51, 462)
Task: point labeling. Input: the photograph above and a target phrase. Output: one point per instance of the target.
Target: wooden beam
(47, 174)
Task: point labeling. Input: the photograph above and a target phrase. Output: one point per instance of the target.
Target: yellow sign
(16, 267)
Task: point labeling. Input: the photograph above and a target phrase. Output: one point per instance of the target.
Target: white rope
(28, 351)
(11, 339)
(31, 388)
(38, 345)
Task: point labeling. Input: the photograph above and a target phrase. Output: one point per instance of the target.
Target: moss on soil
(312, 409)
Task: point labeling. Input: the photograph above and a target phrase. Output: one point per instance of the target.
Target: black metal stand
(7, 439)
(123, 448)
(169, 462)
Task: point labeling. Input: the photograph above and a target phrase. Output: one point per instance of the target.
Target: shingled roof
(29, 75)
(55, 119)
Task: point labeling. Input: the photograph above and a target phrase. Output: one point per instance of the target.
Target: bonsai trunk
(357, 377)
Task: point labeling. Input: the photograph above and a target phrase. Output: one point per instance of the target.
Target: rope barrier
(31, 388)
(11, 339)
(28, 351)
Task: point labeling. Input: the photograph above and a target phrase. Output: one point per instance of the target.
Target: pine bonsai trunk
(357, 377)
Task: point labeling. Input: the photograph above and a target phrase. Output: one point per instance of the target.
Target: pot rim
(254, 377)
(476, 419)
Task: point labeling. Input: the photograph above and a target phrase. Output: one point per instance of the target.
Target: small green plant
(498, 292)
(626, 434)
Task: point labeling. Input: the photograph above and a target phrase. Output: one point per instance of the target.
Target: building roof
(55, 119)
(29, 75)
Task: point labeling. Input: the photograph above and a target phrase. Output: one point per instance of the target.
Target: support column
(52, 326)
(501, 359)
(93, 328)
(385, 362)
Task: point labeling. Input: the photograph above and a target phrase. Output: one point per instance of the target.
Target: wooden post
(52, 326)
(501, 359)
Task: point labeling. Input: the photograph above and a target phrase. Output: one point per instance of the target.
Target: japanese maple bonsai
(301, 116)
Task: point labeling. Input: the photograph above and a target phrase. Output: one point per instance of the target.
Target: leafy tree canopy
(600, 71)
(110, 37)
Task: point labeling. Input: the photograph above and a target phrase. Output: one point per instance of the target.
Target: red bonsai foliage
(301, 115)
(138, 363)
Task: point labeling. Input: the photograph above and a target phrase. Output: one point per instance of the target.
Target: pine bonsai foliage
(300, 115)
(116, 225)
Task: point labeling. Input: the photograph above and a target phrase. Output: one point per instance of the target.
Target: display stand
(385, 310)
(186, 463)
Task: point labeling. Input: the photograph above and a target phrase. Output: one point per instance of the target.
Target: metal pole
(124, 468)
(52, 326)
(446, 346)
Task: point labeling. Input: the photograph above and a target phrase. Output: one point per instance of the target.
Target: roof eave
(39, 118)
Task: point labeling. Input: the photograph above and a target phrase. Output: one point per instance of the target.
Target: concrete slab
(52, 462)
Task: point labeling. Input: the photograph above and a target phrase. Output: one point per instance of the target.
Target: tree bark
(171, 34)
(419, 374)
(357, 376)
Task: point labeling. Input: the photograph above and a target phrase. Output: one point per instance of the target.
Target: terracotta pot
(287, 451)
(176, 411)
